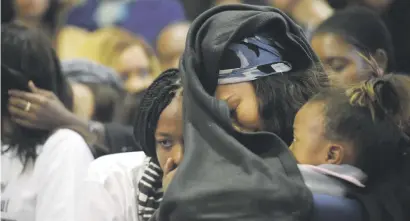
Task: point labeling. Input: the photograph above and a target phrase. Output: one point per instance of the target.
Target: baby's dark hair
(363, 29)
(374, 117)
(373, 109)
(281, 97)
(156, 98)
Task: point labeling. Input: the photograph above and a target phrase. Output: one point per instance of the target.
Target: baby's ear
(335, 154)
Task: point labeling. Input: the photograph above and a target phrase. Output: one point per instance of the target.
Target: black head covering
(220, 178)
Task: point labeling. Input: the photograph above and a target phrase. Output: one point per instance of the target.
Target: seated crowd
(248, 120)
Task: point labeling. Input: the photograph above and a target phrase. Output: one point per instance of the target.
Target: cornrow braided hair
(156, 98)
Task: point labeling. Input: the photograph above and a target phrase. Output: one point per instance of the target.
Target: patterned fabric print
(257, 58)
(150, 190)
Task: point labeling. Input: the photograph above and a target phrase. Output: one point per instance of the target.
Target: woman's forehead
(173, 112)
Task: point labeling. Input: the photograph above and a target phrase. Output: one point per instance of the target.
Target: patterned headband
(257, 59)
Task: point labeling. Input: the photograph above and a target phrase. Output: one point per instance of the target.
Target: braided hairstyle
(156, 98)
(373, 116)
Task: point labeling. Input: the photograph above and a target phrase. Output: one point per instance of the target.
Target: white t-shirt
(48, 189)
(111, 188)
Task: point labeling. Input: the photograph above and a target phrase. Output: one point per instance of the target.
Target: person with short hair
(171, 44)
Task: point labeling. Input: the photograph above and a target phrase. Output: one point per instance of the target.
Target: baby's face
(309, 145)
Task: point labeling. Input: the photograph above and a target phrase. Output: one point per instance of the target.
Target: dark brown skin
(171, 45)
(169, 141)
(310, 146)
(243, 104)
(46, 110)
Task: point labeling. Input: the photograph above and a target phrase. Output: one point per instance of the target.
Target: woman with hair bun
(350, 38)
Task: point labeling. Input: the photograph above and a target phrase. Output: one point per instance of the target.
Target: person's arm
(47, 112)
(60, 171)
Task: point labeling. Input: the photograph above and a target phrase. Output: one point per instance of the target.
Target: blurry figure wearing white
(111, 188)
(42, 170)
(47, 189)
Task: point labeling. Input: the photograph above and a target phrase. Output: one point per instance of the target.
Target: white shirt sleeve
(111, 187)
(60, 171)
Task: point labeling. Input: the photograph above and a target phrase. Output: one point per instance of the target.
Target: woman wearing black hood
(229, 171)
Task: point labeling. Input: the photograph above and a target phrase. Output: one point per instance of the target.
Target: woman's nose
(178, 155)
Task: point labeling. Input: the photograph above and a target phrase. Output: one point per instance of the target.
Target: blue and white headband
(259, 61)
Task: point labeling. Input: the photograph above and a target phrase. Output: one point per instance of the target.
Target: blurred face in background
(171, 45)
(342, 61)
(31, 8)
(134, 68)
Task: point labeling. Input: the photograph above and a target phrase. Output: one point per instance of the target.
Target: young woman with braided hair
(361, 131)
(129, 186)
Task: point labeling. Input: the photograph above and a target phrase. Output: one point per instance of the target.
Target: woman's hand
(40, 109)
(170, 168)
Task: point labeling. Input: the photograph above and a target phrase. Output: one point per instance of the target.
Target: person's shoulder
(63, 134)
(117, 166)
(66, 140)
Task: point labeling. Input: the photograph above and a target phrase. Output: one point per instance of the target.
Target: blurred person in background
(193, 8)
(69, 41)
(348, 40)
(127, 54)
(97, 90)
(130, 186)
(171, 44)
(395, 14)
(360, 132)
(7, 11)
(96, 100)
(48, 15)
(130, 15)
(42, 169)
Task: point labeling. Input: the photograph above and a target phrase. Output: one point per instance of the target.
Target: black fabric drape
(227, 175)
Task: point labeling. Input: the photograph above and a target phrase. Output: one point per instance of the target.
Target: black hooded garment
(220, 178)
